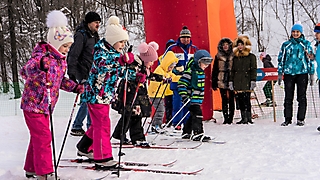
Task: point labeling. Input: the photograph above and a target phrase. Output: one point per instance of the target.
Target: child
(164, 70)
(46, 66)
(141, 106)
(191, 86)
(267, 88)
(99, 92)
(220, 78)
(243, 76)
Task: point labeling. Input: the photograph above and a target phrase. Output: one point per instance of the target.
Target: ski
(118, 144)
(113, 170)
(177, 140)
(127, 163)
(158, 147)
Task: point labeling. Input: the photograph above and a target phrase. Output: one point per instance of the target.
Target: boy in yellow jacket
(163, 76)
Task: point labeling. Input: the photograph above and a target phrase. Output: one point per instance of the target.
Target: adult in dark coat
(243, 76)
(80, 58)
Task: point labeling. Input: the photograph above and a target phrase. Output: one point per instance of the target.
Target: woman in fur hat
(243, 76)
(220, 78)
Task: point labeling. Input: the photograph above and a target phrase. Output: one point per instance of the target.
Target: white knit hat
(114, 31)
(58, 33)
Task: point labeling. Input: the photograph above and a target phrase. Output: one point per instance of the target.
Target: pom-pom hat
(317, 28)
(58, 33)
(185, 32)
(148, 52)
(114, 31)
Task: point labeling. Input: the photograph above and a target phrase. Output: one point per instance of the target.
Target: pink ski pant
(99, 131)
(39, 154)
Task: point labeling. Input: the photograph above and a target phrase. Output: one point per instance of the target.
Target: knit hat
(58, 33)
(203, 56)
(148, 52)
(185, 32)
(92, 16)
(114, 31)
(317, 28)
(297, 27)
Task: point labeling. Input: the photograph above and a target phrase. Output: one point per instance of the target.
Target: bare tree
(4, 77)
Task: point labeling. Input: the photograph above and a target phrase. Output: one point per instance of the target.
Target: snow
(261, 151)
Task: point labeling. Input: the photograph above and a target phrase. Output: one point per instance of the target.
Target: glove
(44, 64)
(126, 58)
(252, 85)
(167, 80)
(214, 86)
(180, 68)
(156, 77)
(231, 86)
(141, 78)
(137, 110)
(79, 89)
(279, 79)
(311, 79)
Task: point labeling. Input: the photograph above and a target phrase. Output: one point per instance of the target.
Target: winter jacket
(222, 66)
(191, 84)
(292, 57)
(80, 56)
(183, 53)
(103, 75)
(35, 97)
(318, 58)
(142, 98)
(267, 62)
(244, 69)
(162, 70)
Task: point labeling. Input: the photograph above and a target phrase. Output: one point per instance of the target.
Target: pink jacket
(35, 96)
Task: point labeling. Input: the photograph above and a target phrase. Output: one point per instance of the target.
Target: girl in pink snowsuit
(45, 69)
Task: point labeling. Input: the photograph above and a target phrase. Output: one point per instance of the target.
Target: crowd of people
(108, 75)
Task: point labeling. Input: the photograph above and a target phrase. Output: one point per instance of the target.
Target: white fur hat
(58, 33)
(114, 31)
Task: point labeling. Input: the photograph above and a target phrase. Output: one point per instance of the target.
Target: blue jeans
(82, 113)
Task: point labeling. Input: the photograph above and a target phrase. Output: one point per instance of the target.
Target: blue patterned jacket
(292, 57)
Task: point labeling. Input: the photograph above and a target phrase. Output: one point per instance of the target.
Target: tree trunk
(4, 76)
(15, 79)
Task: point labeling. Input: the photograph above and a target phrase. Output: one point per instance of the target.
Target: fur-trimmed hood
(246, 43)
(220, 47)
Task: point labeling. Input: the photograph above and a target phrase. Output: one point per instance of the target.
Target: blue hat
(203, 56)
(297, 27)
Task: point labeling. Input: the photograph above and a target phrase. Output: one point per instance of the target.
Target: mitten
(79, 89)
(44, 64)
(231, 86)
(167, 80)
(279, 79)
(156, 77)
(140, 77)
(180, 68)
(126, 58)
(312, 79)
(252, 85)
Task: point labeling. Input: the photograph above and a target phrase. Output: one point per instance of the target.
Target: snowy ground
(261, 151)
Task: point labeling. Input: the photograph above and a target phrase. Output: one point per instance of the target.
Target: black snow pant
(194, 122)
(244, 101)
(168, 106)
(227, 97)
(133, 124)
(290, 81)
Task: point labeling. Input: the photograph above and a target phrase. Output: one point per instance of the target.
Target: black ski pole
(51, 126)
(145, 120)
(66, 133)
(156, 107)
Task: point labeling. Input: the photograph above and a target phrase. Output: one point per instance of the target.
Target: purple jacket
(35, 96)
